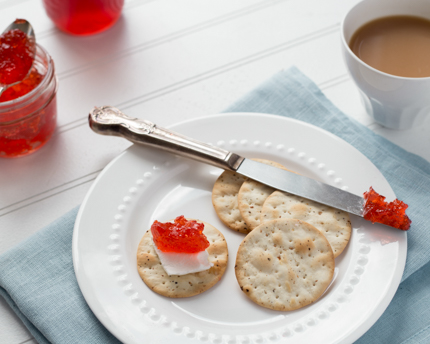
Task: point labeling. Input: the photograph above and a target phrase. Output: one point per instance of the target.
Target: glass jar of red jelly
(28, 121)
(83, 17)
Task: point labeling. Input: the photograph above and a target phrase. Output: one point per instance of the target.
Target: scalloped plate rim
(107, 320)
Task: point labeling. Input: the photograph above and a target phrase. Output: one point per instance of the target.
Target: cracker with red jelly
(155, 276)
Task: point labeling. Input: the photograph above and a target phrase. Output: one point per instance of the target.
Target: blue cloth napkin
(38, 282)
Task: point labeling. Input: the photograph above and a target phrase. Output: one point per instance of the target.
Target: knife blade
(108, 120)
(302, 186)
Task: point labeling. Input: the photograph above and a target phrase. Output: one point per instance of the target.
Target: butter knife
(108, 120)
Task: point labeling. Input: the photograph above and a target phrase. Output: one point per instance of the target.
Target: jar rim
(23, 100)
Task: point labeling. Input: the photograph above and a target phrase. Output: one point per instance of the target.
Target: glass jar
(28, 122)
(83, 17)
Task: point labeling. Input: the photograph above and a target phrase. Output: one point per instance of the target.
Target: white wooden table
(165, 61)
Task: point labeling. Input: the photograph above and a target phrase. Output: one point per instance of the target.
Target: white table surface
(165, 61)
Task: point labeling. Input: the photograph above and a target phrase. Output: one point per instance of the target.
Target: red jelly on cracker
(376, 209)
(182, 236)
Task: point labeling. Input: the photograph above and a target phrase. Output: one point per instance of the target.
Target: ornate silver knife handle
(108, 120)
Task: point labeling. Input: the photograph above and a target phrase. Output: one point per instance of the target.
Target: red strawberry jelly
(28, 109)
(16, 56)
(83, 17)
(182, 236)
(27, 85)
(376, 209)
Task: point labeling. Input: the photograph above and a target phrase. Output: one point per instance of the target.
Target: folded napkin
(38, 282)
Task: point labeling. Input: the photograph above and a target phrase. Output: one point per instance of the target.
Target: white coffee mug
(393, 101)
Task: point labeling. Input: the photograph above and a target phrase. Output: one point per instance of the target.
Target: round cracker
(251, 197)
(224, 200)
(333, 223)
(153, 274)
(284, 264)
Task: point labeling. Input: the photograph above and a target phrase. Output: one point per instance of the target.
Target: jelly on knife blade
(393, 214)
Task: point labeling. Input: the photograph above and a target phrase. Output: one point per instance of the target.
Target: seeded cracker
(152, 273)
(284, 264)
(225, 198)
(333, 223)
(252, 195)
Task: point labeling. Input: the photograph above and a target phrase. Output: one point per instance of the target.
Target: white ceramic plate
(144, 184)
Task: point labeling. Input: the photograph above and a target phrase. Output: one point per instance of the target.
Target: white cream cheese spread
(183, 263)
